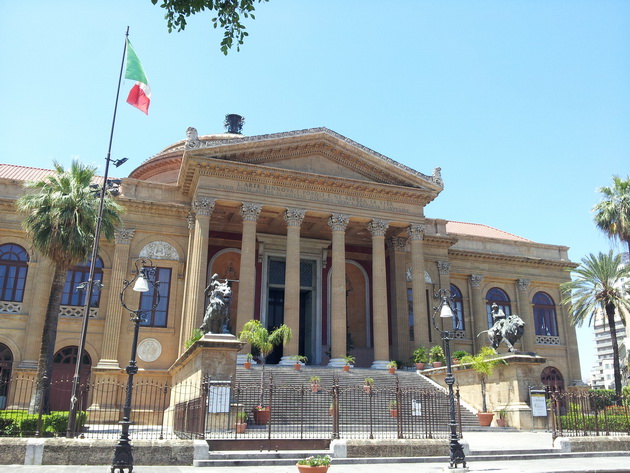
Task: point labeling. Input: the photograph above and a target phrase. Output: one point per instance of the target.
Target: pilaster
(418, 286)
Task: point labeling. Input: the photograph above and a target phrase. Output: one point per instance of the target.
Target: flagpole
(72, 414)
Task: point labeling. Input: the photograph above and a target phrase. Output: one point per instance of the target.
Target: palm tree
(60, 222)
(596, 289)
(260, 338)
(612, 214)
(483, 363)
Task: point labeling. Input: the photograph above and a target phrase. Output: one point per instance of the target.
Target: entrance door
(63, 368)
(307, 344)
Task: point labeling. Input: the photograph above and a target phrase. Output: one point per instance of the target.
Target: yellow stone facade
(314, 230)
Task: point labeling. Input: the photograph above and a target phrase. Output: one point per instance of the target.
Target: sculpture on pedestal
(217, 316)
(507, 329)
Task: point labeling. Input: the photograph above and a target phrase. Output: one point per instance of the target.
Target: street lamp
(446, 312)
(143, 280)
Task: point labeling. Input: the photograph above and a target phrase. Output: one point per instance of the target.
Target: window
(13, 269)
(75, 276)
(158, 316)
(458, 315)
(498, 296)
(545, 315)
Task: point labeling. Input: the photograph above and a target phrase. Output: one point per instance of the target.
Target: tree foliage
(612, 214)
(60, 221)
(596, 289)
(229, 14)
(483, 363)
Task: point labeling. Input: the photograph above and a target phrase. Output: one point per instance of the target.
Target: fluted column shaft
(187, 323)
(111, 333)
(337, 315)
(418, 286)
(247, 283)
(294, 219)
(526, 312)
(40, 273)
(398, 301)
(379, 294)
(479, 317)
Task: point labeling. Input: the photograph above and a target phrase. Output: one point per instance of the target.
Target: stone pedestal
(507, 388)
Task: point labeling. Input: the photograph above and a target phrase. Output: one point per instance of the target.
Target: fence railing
(211, 409)
(575, 414)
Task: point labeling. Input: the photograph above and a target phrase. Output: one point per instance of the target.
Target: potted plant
(247, 364)
(316, 464)
(241, 422)
(315, 386)
(436, 356)
(419, 357)
(393, 408)
(260, 338)
(368, 384)
(458, 355)
(483, 363)
(298, 361)
(502, 417)
(392, 366)
(349, 359)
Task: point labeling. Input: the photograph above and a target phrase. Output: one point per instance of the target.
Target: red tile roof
(24, 173)
(477, 229)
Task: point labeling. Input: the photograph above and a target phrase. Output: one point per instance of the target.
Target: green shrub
(22, 424)
(610, 423)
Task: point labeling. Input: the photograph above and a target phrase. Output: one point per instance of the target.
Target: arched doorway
(6, 363)
(552, 379)
(64, 363)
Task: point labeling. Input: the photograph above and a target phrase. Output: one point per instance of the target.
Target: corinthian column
(418, 287)
(379, 294)
(526, 312)
(187, 323)
(247, 282)
(111, 333)
(294, 218)
(338, 223)
(398, 305)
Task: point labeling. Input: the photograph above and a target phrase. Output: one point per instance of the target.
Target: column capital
(378, 227)
(416, 231)
(203, 207)
(475, 280)
(522, 284)
(294, 217)
(397, 244)
(444, 267)
(338, 222)
(250, 211)
(123, 236)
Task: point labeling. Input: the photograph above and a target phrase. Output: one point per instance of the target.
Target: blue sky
(525, 105)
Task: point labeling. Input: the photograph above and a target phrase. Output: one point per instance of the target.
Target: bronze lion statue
(509, 330)
(217, 316)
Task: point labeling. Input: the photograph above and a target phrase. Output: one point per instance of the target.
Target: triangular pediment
(317, 151)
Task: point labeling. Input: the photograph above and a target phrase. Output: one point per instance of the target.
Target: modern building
(314, 230)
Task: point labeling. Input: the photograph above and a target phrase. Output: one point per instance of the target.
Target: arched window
(158, 316)
(75, 276)
(13, 269)
(545, 315)
(6, 362)
(498, 296)
(458, 316)
(552, 378)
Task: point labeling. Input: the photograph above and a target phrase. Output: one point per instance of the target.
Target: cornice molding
(521, 260)
(155, 208)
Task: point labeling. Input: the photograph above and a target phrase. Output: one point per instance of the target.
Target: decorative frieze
(123, 236)
(7, 307)
(338, 222)
(76, 311)
(475, 280)
(250, 211)
(294, 217)
(378, 227)
(203, 207)
(444, 267)
(159, 250)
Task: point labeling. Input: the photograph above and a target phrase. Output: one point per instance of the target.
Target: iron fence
(575, 414)
(211, 409)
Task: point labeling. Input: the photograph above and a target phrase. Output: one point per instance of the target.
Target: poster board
(538, 401)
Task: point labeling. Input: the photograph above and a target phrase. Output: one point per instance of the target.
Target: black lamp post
(143, 279)
(446, 312)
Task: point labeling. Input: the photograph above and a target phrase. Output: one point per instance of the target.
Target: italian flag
(140, 94)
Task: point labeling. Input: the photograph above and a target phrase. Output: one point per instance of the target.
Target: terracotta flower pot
(297, 366)
(437, 364)
(346, 367)
(501, 422)
(419, 366)
(247, 365)
(393, 412)
(241, 428)
(367, 388)
(485, 418)
(315, 387)
(391, 370)
(262, 416)
(312, 469)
